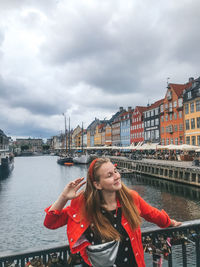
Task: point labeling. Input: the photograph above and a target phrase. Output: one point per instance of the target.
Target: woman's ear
(97, 185)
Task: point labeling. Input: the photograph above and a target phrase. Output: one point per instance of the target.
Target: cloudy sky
(88, 58)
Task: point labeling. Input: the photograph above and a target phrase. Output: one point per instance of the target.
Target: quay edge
(181, 172)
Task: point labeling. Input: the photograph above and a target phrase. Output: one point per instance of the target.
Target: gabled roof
(178, 88)
(155, 104)
(141, 109)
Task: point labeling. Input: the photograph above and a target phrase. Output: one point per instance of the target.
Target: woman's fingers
(80, 185)
(174, 223)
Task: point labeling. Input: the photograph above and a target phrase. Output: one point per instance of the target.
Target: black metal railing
(169, 244)
(175, 240)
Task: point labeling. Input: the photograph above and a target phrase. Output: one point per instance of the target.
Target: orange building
(171, 115)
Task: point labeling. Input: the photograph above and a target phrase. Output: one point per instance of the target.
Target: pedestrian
(103, 220)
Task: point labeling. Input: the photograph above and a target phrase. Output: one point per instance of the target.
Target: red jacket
(76, 225)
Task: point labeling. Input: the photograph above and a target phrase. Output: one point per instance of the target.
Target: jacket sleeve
(56, 218)
(151, 214)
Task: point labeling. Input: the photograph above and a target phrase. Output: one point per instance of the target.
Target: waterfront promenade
(179, 171)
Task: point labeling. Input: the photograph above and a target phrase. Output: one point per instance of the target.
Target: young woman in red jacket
(103, 221)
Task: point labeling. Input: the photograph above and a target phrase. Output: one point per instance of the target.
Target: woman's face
(109, 178)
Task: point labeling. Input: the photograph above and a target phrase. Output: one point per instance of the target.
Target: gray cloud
(87, 59)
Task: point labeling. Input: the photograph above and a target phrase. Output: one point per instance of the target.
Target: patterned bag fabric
(103, 254)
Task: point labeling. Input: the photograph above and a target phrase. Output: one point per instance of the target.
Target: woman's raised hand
(71, 190)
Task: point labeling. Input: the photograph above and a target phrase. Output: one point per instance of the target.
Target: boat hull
(62, 161)
(83, 159)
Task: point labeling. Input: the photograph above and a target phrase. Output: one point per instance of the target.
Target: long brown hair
(94, 202)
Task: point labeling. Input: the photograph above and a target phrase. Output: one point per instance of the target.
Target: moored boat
(82, 159)
(63, 160)
(6, 164)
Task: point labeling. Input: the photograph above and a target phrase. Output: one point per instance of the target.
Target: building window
(180, 114)
(162, 118)
(157, 134)
(167, 141)
(187, 124)
(175, 104)
(188, 140)
(171, 141)
(170, 117)
(157, 121)
(181, 140)
(152, 122)
(176, 141)
(175, 128)
(192, 123)
(166, 117)
(175, 115)
(162, 129)
(189, 95)
(198, 140)
(156, 111)
(163, 142)
(166, 106)
(192, 107)
(186, 108)
(180, 127)
(198, 105)
(193, 140)
(198, 122)
(161, 108)
(152, 113)
(180, 102)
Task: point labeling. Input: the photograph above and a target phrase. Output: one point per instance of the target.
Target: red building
(137, 125)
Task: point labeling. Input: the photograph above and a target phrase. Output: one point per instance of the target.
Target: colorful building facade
(171, 115)
(125, 126)
(191, 102)
(137, 125)
(152, 122)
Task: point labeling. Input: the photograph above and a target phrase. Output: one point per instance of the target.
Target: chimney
(129, 109)
(191, 79)
(121, 109)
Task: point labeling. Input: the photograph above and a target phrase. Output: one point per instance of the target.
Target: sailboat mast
(82, 137)
(69, 135)
(65, 132)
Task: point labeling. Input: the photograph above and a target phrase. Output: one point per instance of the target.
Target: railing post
(184, 253)
(197, 253)
(170, 260)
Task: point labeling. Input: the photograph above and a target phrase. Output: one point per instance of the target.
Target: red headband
(91, 169)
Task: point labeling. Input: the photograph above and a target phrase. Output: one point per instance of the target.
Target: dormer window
(189, 94)
(169, 95)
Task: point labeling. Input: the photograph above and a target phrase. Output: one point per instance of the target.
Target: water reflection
(180, 201)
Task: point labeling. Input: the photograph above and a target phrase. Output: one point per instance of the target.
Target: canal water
(36, 182)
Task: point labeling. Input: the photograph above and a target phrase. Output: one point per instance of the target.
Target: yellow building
(97, 136)
(191, 100)
(88, 138)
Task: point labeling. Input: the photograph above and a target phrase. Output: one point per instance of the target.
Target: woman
(107, 215)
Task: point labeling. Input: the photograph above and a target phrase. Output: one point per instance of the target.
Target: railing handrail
(185, 225)
(151, 232)
(32, 253)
